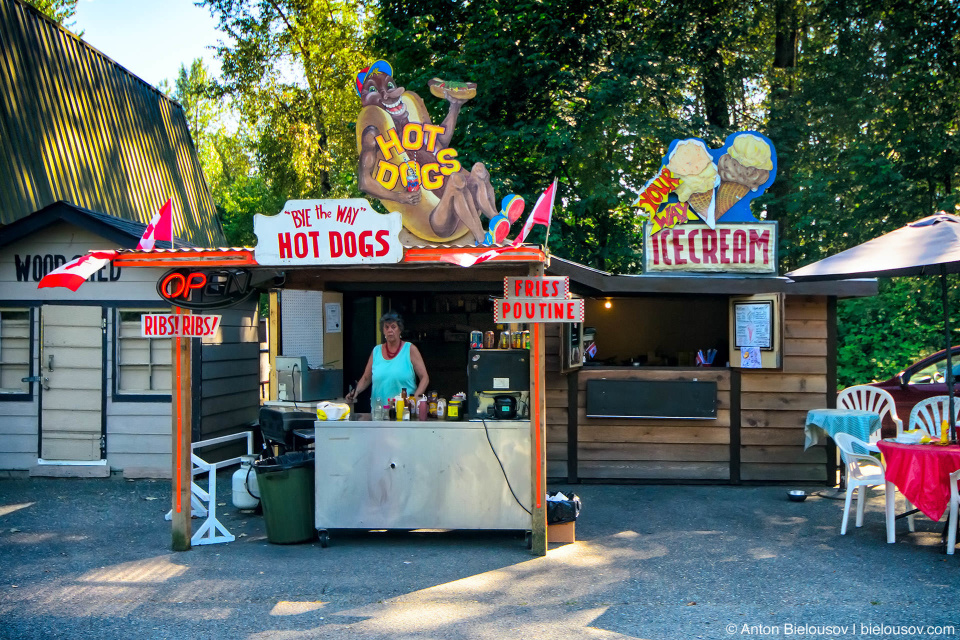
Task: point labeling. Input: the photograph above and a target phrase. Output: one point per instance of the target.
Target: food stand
(419, 489)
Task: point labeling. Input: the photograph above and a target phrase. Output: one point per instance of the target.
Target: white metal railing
(204, 503)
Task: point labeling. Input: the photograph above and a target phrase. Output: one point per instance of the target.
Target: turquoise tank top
(389, 376)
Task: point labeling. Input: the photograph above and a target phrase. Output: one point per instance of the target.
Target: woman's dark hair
(391, 316)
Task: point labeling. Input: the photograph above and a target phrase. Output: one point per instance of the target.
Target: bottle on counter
(441, 409)
(376, 410)
(432, 405)
(423, 408)
(406, 413)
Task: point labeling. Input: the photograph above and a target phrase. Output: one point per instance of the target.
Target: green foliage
(288, 69)
(879, 336)
(59, 11)
(858, 96)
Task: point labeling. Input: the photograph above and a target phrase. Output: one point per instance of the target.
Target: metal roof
(76, 126)
(593, 281)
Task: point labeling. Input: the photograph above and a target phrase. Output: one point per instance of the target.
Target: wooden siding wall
(77, 126)
(773, 409)
(774, 404)
(556, 388)
(654, 449)
(230, 374)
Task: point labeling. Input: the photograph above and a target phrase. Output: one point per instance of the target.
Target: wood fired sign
(327, 232)
(543, 299)
(698, 208)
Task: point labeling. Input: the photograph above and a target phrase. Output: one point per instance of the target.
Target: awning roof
(594, 281)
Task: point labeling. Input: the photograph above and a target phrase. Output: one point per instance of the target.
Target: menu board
(753, 325)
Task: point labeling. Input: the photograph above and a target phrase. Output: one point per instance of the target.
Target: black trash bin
(287, 496)
(560, 511)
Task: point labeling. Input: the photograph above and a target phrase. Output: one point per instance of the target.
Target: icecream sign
(698, 207)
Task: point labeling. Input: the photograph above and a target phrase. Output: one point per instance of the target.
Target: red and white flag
(75, 273)
(540, 214)
(160, 228)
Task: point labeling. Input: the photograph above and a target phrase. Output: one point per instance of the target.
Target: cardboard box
(563, 532)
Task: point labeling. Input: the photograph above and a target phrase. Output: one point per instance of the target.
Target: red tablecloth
(922, 473)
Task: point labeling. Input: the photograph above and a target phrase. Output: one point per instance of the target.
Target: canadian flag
(541, 213)
(75, 273)
(160, 228)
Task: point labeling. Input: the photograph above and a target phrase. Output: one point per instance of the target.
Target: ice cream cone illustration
(691, 162)
(744, 167)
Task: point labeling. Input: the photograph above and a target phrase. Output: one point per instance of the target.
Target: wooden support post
(538, 437)
(274, 346)
(181, 414)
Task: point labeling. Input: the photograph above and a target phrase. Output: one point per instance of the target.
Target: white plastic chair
(929, 413)
(866, 398)
(863, 471)
(954, 504)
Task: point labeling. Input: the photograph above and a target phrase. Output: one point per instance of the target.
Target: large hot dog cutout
(407, 162)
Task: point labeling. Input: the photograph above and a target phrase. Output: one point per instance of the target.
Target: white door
(71, 369)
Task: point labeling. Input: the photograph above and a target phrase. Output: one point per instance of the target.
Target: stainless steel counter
(422, 475)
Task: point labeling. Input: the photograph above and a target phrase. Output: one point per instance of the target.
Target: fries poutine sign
(543, 299)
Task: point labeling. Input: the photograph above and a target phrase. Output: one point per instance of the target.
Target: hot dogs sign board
(327, 232)
(698, 208)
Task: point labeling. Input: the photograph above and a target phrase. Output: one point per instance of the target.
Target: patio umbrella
(930, 246)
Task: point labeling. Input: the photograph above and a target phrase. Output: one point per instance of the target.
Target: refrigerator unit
(498, 384)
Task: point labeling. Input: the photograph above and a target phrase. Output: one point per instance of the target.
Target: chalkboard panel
(687, 399)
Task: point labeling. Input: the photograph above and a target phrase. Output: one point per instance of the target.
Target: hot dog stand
(475, 474)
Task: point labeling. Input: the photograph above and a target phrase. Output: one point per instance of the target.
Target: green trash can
(287, 496)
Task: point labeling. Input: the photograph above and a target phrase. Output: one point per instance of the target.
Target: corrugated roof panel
(79, 127)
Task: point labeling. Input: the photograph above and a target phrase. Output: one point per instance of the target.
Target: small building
(647, 331)
(88, 153)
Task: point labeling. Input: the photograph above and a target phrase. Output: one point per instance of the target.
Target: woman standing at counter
(393, 365)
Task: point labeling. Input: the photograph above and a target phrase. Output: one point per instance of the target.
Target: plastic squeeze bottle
(944, 433)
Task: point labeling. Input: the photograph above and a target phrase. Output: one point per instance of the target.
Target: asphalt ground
(91, 559)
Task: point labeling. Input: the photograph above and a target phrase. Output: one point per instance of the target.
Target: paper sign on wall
(331, 317)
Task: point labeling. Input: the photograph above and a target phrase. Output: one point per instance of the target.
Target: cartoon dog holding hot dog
(407, 162)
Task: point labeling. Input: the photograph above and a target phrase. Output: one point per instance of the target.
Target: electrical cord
(502, 470)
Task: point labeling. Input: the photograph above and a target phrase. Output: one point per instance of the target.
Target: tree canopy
(859, 97)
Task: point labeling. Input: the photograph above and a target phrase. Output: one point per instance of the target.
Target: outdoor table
(820, 422)
(922, 474)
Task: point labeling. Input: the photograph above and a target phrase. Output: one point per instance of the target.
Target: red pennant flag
(160, 228)
(75, 273)
(541, 213)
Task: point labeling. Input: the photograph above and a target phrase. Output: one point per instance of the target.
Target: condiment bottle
(441, 409)
(944, 433)
(423, 408)
(399, 405)
(376, 410)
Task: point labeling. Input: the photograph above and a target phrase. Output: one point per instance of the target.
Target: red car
(922, 379)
